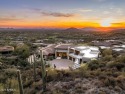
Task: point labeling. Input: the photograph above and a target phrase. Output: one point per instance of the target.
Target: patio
(61, 63)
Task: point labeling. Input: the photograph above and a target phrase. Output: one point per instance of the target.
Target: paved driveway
(61, 63)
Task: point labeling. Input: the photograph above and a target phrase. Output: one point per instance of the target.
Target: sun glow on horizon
(106, 23)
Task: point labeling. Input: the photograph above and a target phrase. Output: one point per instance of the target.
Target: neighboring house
(102, 43)
(39, 44)
(81, 54)
(107, 44)
(39, 41)
(48, 51)
(119, 48)
(6, 49)
(61, 50)
(16, 42)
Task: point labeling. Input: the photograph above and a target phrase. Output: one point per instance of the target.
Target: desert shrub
(121, 81)
(94, 64)
(79, 91)
(107, 58)
(30, 91)
(10, 83)
(28, 83)
(78, 73)
(110, 81)
(37, 85)
(83, 70)
(110, 64)
(55, 91)
(3, 78)
(52, 75)
(97, 72)
(121, 59)
(102, 76)
(120, 78)
(106, 52)
(115, 74)
(118, 65)
(102, 92)
(10, 72)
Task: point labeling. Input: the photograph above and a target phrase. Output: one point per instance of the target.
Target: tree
(22, 51)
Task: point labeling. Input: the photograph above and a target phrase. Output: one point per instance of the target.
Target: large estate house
(77, 54)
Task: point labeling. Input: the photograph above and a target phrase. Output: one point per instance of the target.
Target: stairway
(76, 64)
(58, 58)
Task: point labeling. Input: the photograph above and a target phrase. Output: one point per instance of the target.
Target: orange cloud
(56, 24)
(120, 24)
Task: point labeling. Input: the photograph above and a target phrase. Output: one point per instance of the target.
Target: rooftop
(64, 46)
(49, 49)
(87, 52)
(6, 48)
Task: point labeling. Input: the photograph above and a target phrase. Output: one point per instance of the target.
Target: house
(119, 48)
(71, 52)
(6, 49)
(81, 54)
(77, 54)
(107, 44)
(61, 50)
(39, 44)
(48, 52)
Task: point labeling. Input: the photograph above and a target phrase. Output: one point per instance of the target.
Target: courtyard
(61, 64)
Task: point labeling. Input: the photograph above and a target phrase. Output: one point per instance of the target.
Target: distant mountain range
(72, 29)
(88, 29)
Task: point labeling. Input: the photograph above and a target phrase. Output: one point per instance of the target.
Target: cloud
(57, 14)
(85, 10)
(122, 23)
(54, 14)
(99, 0)
(106, 12)
(9, 18)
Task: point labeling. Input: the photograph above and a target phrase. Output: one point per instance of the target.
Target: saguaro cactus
(34, 68)
(43, 71)
(20, 82)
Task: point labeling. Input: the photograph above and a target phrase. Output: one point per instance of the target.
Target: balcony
(75, 56)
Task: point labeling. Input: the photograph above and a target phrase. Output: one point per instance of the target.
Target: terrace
(61, 63)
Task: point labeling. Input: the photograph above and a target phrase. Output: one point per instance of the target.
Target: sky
(62, 13)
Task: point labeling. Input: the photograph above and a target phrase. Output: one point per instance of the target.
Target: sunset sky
(62, 13)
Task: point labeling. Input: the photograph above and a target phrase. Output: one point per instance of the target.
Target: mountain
(72, 29)
(90, 29)
(119, 30)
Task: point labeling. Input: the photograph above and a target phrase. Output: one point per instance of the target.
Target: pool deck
(61, 64)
